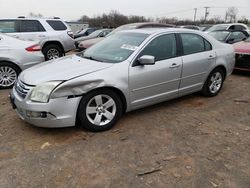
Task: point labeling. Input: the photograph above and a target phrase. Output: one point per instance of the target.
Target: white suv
(56, 38)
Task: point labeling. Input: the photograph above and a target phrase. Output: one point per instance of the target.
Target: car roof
(151, 31)
(30, 18)
(229, 24)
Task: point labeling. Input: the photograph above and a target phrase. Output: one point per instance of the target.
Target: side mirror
(101, 35)
(147, 60)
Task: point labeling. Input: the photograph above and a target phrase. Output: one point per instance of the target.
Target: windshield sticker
(129, 47)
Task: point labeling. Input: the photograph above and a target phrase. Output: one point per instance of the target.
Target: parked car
(229, 36)
(242, 50)
(96, 34)
(15, 56)
(126, 71)
(87, 43)
(204, 27)
(194, 27)
(85, 32)
(54, 35)
(231, 26)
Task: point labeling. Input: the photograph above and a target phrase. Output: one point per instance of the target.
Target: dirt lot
(188, 142)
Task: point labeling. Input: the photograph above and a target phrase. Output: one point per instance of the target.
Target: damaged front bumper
(60, 112)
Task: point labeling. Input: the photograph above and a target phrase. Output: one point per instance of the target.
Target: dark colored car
(194, 27)
(242, 51)
(85, 32)
(87, 43)
(229, 37)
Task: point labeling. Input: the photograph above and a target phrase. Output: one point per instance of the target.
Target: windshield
(219, 35)
(218, 27)
(122, 28)
(95, 33)
(116, 48)
(248, 39)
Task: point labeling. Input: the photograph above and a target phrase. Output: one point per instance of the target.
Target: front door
(151, 84)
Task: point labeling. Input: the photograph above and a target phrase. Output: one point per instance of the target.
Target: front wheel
(214, 83)
(99, 110)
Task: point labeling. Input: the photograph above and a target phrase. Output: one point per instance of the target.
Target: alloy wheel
(53, 54)
(215, 82)
(8, 76)
(101, 110)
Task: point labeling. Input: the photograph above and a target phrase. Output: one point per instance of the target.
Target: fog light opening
(32, 114)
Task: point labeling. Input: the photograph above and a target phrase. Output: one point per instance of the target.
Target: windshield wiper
(92, 58)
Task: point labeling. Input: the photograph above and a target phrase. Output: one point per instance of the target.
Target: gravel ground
(189, 142)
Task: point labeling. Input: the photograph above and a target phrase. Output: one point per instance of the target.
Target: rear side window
(9, 26)
(193, 43)
(57, 25)
(31, 26)
(237, 35)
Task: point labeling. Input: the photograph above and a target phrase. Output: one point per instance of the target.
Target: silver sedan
(15, 56)
(126, 71)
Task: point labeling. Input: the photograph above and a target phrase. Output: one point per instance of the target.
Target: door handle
(211, 57)
(174, 65)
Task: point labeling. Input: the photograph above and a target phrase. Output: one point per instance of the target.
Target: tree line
(115, 19)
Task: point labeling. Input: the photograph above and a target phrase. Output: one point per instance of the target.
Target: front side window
(162, 47)
(57, 25)
(193, 43)
(9, 26)
(115, 48)
(31, 26)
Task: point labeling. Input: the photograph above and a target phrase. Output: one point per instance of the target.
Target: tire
(214, 83)
(99, 110)
(52, 51)
(8, 75)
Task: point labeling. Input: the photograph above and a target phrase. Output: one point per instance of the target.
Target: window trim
(178, 54)
(181, 43)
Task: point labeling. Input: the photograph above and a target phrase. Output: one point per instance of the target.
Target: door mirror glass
(147, 60)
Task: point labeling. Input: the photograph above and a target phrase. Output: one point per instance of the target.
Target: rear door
(31, 30)
(198, 59)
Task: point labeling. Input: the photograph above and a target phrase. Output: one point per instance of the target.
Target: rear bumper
(56, 113)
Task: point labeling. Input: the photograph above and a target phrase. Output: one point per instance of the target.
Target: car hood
(65, 68)
(242, 47)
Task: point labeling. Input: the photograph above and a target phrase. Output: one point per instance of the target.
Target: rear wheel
(214, 83)
(52, 51)
(99, 110)
(8, 75)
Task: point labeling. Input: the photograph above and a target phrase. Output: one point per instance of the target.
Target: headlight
(42, 92)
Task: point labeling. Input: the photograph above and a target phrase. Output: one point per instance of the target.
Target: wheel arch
(55, 43)
(117, 91)
(11, 62)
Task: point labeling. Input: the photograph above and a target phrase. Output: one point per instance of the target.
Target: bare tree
(34, 15)
(231, 14)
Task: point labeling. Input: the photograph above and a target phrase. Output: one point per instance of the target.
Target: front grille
(22, 89)
(243, 57)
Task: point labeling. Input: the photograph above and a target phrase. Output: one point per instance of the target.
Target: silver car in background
(54, 35)
(126, 71)
(15, 56)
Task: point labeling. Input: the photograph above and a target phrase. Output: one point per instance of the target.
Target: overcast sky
(73, 9)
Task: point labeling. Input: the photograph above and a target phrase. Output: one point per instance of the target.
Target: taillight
(34, 48)
(71, 34)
